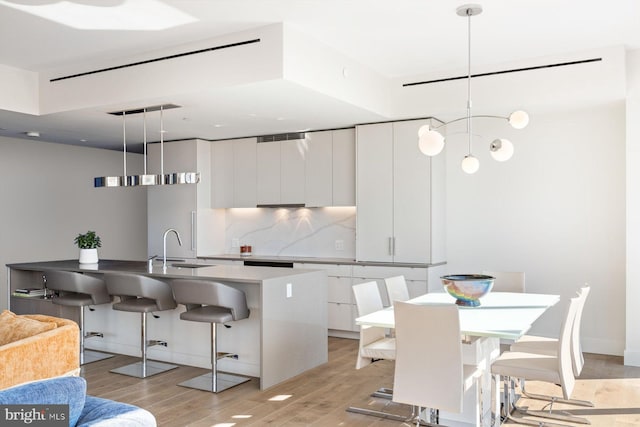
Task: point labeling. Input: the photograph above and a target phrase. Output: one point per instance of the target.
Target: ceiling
(395, 39)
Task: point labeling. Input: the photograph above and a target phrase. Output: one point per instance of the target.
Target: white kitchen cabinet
(268, 173)
(374, 199)
(292, 167)
(344, 167)
(319, 170)
(399, 196)
(244, 169)
(341, 307)
(280, 172)
(233, 173)
(330, 168)
(183, 207)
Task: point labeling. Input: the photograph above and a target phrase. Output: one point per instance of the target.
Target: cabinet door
(318, 171)
(222, 174)
(172, 206)
(411, 195)
(244, 173)
(374, 225)
(292, 166)
(268, 173)
(344, 167)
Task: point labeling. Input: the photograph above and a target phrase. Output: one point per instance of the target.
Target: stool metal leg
(215, 381)
(88, 356)
(145, 368)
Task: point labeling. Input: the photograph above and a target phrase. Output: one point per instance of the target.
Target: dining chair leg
(549, 398)
(510, 407)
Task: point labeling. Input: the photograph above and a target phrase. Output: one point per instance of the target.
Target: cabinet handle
(390, 245)
(394, 246)
(193, 230)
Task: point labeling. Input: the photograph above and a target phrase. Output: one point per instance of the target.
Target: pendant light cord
(469, 14)
(161, 143)
(124, 148)
(144, 137)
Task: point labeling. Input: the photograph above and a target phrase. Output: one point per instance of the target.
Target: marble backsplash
(308, 232)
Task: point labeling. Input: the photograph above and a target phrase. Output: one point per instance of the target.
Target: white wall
(632, 349)
(556, 211)
(48, 198)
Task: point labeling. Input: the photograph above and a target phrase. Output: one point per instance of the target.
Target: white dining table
(507, 315)
(500, 315)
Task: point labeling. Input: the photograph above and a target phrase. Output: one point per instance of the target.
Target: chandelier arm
(484, 116)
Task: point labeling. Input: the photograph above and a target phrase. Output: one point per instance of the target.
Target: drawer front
(340, 316)
(377, 272)
(339, 290)
(337, 270)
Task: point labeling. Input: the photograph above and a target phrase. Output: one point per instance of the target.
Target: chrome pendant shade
(145, 179)
(431, 142)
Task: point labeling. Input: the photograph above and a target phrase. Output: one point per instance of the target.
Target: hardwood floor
(320, 396)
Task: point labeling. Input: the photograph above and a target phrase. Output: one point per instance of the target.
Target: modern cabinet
(341, 307)
(330, 168)
(280, 172)
(233, 173)
(400, 196)
(183, 207)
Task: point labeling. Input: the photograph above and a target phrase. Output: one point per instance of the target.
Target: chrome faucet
(164, 246)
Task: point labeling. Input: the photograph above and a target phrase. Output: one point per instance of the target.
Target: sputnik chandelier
(431, 142)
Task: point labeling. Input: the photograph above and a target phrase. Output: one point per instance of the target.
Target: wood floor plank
(320, 397)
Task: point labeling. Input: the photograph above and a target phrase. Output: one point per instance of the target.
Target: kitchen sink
(187, 265)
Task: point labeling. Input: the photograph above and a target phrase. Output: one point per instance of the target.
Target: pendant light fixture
(146, 179)
(431, 142)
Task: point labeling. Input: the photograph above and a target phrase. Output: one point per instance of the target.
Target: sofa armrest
(45, 355)
(99, 412)
(69, 391)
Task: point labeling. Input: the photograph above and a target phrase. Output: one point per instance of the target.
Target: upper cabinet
(233, 174)
(330, 168)
(316, 171)
(400, 196)
(182, 207)
(280, 172)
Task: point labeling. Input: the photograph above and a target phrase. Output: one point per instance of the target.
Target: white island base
(285, 334)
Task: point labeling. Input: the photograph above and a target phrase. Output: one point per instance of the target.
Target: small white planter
(88, 256)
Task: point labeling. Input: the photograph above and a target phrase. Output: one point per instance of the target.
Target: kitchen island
(285, 334)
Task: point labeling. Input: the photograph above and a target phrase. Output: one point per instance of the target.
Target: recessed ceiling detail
(514, 70)
(162, 58)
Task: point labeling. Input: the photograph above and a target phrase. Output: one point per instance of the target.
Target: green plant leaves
(89, 240)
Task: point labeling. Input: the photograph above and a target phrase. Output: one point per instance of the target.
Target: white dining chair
(429, 372)
(374, 343)
(540, 367)
(507, 281)
(397, 289)
(549, 346)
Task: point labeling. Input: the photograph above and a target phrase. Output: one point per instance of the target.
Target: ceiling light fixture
(431, 142)
(146, 179)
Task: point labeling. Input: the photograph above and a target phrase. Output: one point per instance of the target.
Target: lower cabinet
(341, 307)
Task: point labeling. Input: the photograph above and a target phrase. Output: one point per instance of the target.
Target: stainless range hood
(145, 179)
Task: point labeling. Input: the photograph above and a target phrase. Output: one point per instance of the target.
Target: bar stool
(80, 290)
(141, 294)
(214, 303)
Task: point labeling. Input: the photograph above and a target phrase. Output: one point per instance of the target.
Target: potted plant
(88, 244)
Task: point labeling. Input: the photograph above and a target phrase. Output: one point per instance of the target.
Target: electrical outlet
(339, 245)
(289, 290)
(235, 242)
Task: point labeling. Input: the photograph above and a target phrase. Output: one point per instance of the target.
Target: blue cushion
(103, 412)
(55, 391)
